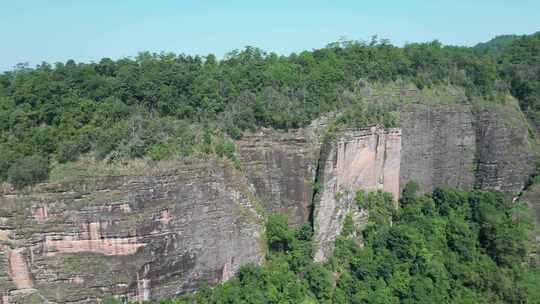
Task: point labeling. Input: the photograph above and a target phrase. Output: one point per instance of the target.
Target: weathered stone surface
(365, 159)
(145, 236)
(438, 146)
(505, 149)
(463, 146)
(281, 168)
(155, 234)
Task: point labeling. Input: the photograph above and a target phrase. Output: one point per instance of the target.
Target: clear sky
(87, 30)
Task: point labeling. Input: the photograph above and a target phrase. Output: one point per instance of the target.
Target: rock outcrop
(438, 146)
(365, 159)
(143, 237)
(280, 166)
(466, 146)
(487, 146)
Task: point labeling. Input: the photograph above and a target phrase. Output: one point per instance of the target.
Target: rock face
(504, 146)
(143, 237)
(439, 146)
(457, 145)
(366, 159)
(281, 169)
(464, 146)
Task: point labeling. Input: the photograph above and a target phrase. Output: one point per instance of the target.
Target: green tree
(28, 171)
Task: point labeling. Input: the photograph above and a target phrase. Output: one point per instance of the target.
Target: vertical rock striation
(280, 166)
(438, 146)
(143, 236)
(160, 233)
(365, 159)
(462, 146)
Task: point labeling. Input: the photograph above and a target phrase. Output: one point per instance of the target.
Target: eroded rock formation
(281, 168)
(365, 159)
(458, 145)
(145, 236)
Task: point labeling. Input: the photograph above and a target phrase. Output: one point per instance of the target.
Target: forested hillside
(159, 105)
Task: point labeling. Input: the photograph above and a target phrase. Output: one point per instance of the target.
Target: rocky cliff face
(144, 237)
(280, 166)
(158, 233)
(439, 146)
(463, 146)
(457, 145)
(365, 159)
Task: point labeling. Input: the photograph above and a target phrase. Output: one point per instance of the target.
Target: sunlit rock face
(143, 237)
(486, 146)
(438, 147)
(366, 159)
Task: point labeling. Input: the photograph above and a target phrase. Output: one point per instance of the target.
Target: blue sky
(57, 30)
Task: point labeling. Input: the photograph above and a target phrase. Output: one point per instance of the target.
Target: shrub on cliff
(28, 171)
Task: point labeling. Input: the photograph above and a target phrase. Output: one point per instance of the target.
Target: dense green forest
(160, 105)
(447, 246)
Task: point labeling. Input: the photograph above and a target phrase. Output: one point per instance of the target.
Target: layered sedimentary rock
(438, 146)
(142, 236)
(365, 159)
(485, 146)
(280, 166)
(463, 146)
(505, 148)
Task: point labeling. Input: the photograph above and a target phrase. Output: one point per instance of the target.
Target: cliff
(280, 168)
(144, 237)
(365, 159)
(155, 233)
(458, 144)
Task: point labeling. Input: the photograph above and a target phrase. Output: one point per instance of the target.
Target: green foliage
(159, 151)
(68, 151)
(111, 300)
(409, 192)
(278, 234)
(445, 247)
(28, 170)
(163, 105)
(520, 68)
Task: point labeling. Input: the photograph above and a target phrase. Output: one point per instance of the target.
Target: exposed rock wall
(438, 146)
(280, 166)
(505, 151)
(364, 159)
(145, 237)
(155, 234)
(466, 146)
(485, 146)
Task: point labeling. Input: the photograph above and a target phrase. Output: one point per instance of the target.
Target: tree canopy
(157, 105)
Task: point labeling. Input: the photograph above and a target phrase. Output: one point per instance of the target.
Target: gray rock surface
(144, 236)
(280, 166)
